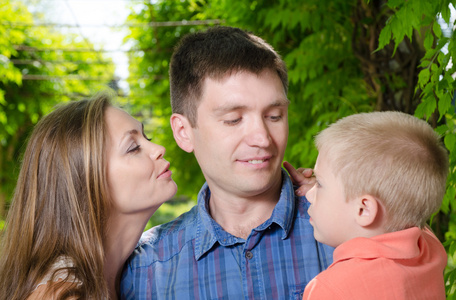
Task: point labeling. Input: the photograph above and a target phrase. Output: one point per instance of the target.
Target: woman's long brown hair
(60, 206)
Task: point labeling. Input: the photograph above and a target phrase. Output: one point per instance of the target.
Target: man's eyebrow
(280, 102)
(232, 107)
(228, 107)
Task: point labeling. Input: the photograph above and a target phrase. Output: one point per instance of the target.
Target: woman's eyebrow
(128, 133)
(131, 132)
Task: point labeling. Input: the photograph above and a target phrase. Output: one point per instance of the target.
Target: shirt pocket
(297, 292)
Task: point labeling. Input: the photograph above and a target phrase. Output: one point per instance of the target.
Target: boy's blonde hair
(393, 156)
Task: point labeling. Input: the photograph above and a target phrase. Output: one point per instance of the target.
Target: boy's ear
(182, 132)
(367, 209)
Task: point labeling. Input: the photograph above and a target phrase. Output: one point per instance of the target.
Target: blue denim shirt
(192, 257)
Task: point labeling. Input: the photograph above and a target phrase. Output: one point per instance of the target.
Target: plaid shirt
(192, 257)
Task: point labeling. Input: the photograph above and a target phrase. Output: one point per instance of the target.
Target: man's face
(241, 133)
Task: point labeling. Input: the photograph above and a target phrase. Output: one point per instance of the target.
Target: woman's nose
(156, 151)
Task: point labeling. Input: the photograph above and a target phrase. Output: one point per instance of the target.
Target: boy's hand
(302, 177)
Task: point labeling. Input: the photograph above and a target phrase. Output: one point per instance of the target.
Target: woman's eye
(133, 148)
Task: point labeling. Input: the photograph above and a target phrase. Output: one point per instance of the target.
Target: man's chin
(252, 188)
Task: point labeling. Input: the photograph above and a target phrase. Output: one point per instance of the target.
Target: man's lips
(256, 160)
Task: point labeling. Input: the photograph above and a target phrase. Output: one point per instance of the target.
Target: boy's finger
(305, 186)
(307, 172)
(296, 177)
(302, 177)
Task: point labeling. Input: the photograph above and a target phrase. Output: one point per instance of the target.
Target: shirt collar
(401, 244)
(208, 232)
(283, 213)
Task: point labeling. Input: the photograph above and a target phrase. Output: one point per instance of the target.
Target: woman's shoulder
(40, 292)
(57, 278)
(59, 271)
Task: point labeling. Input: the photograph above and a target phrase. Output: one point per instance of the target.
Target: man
(249, 236)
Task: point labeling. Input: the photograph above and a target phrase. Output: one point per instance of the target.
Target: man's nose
(258, 135)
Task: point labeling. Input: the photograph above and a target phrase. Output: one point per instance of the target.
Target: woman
(89, 182)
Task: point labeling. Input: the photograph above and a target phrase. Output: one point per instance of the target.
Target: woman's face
(139, 179)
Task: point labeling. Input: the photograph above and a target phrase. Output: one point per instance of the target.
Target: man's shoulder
(302, 205)
(166, 240)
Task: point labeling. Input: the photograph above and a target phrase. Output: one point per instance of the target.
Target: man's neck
(240, 215)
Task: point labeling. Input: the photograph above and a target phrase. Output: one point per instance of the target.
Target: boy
(379, 177)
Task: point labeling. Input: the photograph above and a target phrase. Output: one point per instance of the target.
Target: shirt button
(248, 255)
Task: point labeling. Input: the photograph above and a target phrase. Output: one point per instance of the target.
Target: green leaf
(452, 248)
(444, 104)
(423, 77)
(385, 37)
(428, 41)
(442, 129)
(450, 140)
(395, 3)
(427, 107)
(437, 30)
(446, 13)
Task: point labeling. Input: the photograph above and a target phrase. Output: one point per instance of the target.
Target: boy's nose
(311, 194)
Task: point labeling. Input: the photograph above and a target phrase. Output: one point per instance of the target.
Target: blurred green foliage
(169, 211)
(344, 57)
(23, 99)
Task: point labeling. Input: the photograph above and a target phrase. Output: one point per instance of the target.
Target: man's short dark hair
(215, 53)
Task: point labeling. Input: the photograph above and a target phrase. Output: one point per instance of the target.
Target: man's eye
(232, 122)
(275, 118)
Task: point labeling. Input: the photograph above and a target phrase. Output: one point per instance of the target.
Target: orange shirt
(406, 264)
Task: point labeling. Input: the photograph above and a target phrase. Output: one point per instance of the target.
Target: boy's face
(241, 133)
(331, 214)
